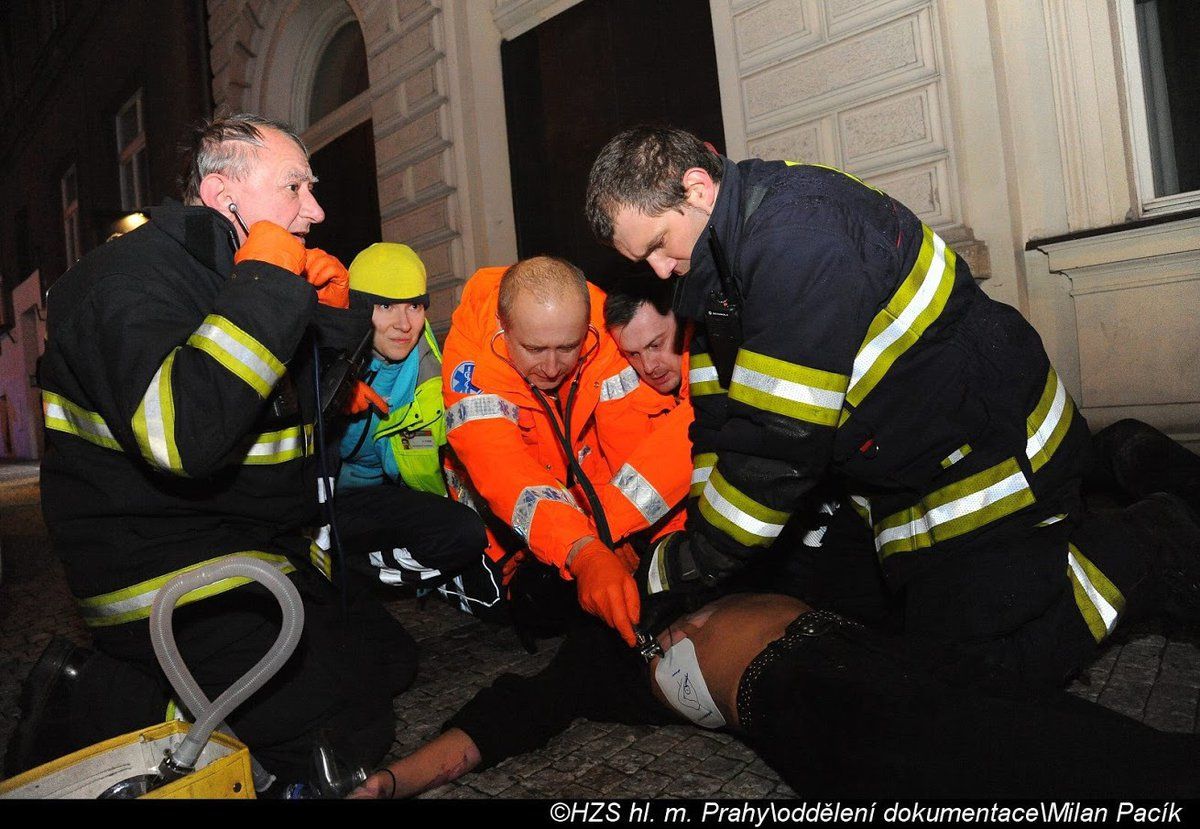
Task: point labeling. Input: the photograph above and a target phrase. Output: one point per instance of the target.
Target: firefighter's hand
(268, 242)
(668, 584)
(329, 276)
(628, 556)
(606, 589)
(363, 397)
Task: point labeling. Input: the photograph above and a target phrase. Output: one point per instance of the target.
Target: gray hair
(227, 145)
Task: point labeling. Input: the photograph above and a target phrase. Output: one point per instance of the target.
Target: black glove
(669, 583)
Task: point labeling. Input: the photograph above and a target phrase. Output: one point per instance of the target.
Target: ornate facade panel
(923, 188)
(845, 16)
(862, 87)
(809, 142)
(905, 125)
(775, 30)
(842, 72)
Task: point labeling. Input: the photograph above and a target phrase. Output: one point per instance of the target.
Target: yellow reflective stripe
(912, 309)
(1049, 422)
(702, 376)
(956, 456)
(64, 416)
(239, 352)
(738, 515)
(1098, 599)
(174, 712)
(862, 506)
(279, 447)
(792, 390)
(154, 421)
(956, 509)
(656, 573)
(702, 466)
(320, 560)
(834, 169)
(132, 603)
(1053, 519)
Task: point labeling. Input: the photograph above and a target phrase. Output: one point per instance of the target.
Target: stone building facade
(1011, 127)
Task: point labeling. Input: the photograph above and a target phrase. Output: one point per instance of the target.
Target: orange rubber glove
(606, 589)
(329, 276)
(363, 397)
(508, 567)
(268, 242)
(628, 556)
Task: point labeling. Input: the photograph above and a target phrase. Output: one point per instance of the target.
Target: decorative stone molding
(515, 17)
(1133, 294)
(1080, 36)
(262, 53)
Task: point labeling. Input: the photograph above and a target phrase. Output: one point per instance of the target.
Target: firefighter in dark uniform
(839, 332)
(180, 411)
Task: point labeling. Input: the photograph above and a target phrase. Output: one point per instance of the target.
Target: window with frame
(131, 154)
(1161, 65)
(69, 187)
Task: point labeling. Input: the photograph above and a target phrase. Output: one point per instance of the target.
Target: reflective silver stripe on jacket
(480, 407)
(619, 385)
(528, 500)
(1108, 613)
(641, 493)
(64, 416)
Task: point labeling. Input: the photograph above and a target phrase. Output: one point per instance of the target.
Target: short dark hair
(628, 295)
(226, 144)
(544, 277)
(642, 168)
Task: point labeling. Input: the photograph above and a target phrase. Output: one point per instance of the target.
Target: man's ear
(214, 193)
(700, 188)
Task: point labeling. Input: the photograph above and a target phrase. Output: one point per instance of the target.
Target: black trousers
(850, 712)
(1012, 605)
(341, 678)
(403, 536)
(1008, 606)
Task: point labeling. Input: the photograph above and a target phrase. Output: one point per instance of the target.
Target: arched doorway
(345, 160)
(311, 71)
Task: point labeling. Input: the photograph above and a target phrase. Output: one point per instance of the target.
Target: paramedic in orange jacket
(638, 315)
(526, 361)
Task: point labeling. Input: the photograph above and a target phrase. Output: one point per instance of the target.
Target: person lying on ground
(834, 707)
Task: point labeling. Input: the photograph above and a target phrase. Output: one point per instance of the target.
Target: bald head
(543, 279)
(544, 307)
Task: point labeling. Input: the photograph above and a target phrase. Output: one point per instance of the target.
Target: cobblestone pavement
(1151, 673)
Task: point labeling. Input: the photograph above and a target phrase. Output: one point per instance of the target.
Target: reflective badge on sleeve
(460, 379)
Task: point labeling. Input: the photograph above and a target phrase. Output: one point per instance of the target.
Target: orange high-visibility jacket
(631, 441)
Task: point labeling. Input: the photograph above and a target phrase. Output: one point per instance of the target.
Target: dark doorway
(575, 81)
(348, 192)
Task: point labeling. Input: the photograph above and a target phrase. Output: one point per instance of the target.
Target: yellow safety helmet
(388, 273)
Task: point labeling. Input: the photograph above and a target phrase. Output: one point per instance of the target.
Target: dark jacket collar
(701, 279)
(203, 232)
